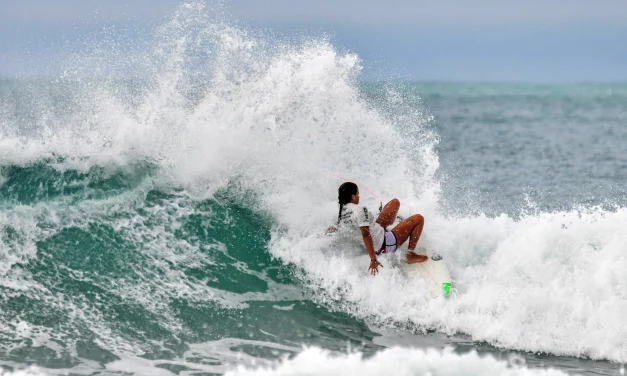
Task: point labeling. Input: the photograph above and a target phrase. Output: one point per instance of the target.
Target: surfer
(374, 232)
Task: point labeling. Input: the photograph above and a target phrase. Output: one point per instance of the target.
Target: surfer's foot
(413, 258)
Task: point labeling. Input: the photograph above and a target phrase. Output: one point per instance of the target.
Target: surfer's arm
(374, 264)
(365, 233)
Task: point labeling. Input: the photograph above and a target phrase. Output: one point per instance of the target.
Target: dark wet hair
(344, 194)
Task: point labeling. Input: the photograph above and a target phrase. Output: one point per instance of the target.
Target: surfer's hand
(374, 267)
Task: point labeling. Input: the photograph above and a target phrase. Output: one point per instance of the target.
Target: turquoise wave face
(41, 182)
(107, 262)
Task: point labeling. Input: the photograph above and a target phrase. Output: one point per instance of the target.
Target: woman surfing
(377, 239)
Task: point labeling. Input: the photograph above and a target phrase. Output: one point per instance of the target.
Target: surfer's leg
(410, 228)
(388, 214)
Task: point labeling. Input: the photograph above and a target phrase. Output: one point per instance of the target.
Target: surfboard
(435, 273)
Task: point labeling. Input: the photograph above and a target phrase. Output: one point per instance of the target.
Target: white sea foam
(400, 361)
(280, 119)
(310, 361)
(547, 282)
(25, 372)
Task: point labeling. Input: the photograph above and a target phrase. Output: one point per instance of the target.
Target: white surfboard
(435, 273)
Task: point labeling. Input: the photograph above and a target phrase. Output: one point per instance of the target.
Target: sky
(424, 40)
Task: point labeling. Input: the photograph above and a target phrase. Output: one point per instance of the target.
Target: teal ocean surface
(172, 223)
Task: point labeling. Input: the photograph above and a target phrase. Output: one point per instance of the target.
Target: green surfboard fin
(446, 288)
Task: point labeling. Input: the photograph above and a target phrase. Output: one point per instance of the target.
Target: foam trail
(315, 361)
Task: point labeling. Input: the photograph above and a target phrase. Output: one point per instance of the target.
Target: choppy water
(173, 223)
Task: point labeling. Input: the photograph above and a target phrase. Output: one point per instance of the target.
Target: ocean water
(172, 221)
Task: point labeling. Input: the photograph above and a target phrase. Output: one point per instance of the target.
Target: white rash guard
(355, 216)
